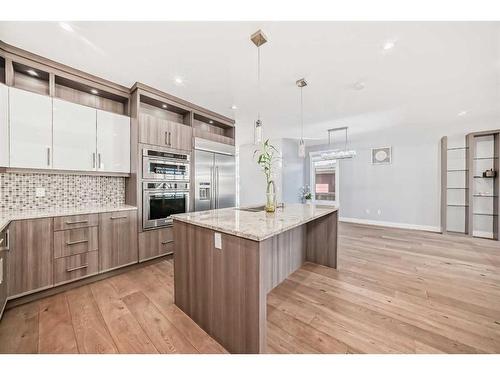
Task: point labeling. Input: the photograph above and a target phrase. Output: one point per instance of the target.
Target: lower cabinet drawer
(75, 241)
(75, 267)
(156, 242)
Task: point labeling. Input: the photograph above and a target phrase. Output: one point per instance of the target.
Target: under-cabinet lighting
(94, 91)
(31, 72)
(164, 105)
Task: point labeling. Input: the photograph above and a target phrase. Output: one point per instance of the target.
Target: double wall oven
(165, 187)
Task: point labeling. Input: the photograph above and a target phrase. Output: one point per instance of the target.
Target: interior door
(74, 136)
(203, 180)
(30, 129)
(4, 126)
(113, 142)
(225, 176)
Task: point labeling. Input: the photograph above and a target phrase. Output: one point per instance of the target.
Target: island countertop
(256, 226)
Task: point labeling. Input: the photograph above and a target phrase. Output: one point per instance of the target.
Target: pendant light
(339, 153)
(301, 83)
(258, 38)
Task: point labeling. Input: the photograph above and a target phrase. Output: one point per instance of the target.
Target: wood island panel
(224, 290)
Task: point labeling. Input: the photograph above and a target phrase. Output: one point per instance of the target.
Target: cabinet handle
(99, 160)
(77, 222)
(169, 139)
(48, 156)
(166, 138)
(77, 268)
(118, 217)
(93, 160)
(166, 242)
(7, 239)
(76, 242)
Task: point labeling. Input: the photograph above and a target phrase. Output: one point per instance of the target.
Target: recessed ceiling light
(94, 91)
(31, 72)
(66, 26)
(211, 122)
(164, 105)
(178, 80)
(389, 45)
(234, 106)
(462, 113)
(360, 85)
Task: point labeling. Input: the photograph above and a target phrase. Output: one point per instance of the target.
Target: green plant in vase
(267, 156)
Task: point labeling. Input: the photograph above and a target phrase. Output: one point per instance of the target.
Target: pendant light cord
(258, 82)
(301, 116)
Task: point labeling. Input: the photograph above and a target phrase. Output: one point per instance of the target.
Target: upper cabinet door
(74, 136)
(4, 126)
(113, 142)
(30, 129)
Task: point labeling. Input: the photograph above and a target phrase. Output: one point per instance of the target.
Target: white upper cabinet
(74, 128)
(30, 129)
(4, 126)
(113, 142)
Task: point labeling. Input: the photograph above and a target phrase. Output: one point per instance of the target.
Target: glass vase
(270, 197)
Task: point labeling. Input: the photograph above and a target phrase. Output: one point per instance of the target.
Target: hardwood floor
(395, 291)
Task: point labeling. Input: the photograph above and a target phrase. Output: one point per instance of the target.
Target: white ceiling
(435, 70)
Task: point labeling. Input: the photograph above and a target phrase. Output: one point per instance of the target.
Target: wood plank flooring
(395, 291)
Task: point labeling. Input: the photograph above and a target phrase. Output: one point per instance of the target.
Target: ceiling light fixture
(32, 73)
(94, 91)
(258, 38)
(66, 26)
(338, 153)
(301, 83)
(178, 81)
(462, 113)
(389, 45)
(234, 106)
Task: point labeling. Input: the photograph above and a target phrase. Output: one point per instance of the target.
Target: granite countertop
(256, 226)
(9, 215)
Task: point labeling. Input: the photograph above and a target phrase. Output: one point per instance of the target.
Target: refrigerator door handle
(217, 183)
(212, 188)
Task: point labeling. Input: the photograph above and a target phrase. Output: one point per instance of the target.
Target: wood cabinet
(156, 242)
(30, 256)
(75, 221)
(4, 248)
(74, 136)
(75, 241)
(76, 267)
(113, 142)
(117, 239)
(162, 132)
(4, 126)
(30, 129)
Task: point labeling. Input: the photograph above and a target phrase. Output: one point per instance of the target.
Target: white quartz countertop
(9, 215)
(255, 225)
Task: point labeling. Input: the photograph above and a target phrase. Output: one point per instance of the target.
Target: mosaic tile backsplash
(18, 191)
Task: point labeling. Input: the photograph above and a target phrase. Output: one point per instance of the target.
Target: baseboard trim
(426, 228)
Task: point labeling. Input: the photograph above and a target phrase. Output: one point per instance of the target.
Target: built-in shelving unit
(207, 128)
(469, 197)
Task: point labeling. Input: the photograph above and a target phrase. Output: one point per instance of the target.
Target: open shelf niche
(164, 109)
(469, 195)
(212, 129)
(91, 94)
(2, 70)
(31, 78)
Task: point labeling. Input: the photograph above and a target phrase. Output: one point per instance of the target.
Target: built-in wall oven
(161, 200)
(160, 165)
(165, 187)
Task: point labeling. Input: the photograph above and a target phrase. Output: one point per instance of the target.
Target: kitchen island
(226, 261)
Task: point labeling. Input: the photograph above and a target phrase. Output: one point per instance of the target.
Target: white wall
(407, 192)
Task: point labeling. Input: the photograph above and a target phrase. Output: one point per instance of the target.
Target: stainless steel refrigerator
(214, 175)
